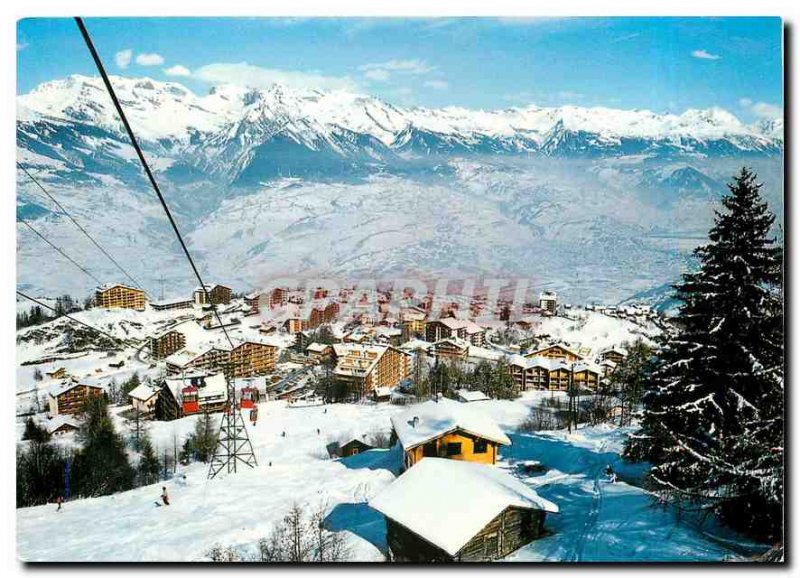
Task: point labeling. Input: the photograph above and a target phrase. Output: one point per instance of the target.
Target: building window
(453, 448)
(480, 447)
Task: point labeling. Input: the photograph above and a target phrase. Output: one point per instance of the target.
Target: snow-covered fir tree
(713, 421)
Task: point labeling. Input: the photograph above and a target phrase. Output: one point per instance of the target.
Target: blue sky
(662, 64)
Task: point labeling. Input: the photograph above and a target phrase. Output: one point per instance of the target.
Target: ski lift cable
(60, 251)
(101, 69)
(78, 225)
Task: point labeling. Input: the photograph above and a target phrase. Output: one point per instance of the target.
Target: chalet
(608, 367)
(346, 448)
(302, 339)
(553, 374)
(556, 351)
(212, 359)
(278, 297)
(251, 300)
(164, 345)
(586, 377)
(412, 320)
(212, 295)
(293, 325)
(451, 348)
(483, 514)
(191, 394)
(382, 393)
(67, 398)
(451, 327)
(615, 354)
(548, 301)
(252, 358)
(449, 429)
(143, 398)
(390, 335)
(319, 352)
(467, 396)
(118, 296)
(365, 367)
(62, 424)
(59, 373)
(172, 304)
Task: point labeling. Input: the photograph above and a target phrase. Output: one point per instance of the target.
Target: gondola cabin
(249, 398)
(191, 400)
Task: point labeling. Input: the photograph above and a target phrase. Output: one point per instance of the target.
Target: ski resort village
(410, 429)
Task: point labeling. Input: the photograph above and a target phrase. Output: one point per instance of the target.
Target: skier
(611, 474)
(317, 431)
(164, 496)
(283, 434)
(59, 501)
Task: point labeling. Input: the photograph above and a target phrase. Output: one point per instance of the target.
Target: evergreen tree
(40, 474)
(149, 466)
(34, 432)
(200, 444)
(712, 424)
(101, 466)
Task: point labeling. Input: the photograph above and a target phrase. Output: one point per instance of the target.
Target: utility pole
(233, 442)
(161, 285)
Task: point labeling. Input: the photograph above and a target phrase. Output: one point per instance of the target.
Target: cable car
(191, 401)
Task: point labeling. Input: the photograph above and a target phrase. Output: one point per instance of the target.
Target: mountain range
(281, 180)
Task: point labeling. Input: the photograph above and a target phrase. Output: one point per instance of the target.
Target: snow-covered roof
(207, 385)
(61, 420)
(467, 396)
(107, 286)
(563, 346)
(383, 391)
(437, 418)
(416, 344)
(453, 323)
(142, 392)
(476, 494)
(173, 301)
(317, 347)
(455, 341)
(65, 386)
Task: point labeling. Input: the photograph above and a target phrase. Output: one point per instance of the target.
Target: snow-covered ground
(598, 521)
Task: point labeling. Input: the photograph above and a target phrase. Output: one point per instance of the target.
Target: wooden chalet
(213, 295)
(185, 361)
(319, 352)
(61, 425)
(59, 373)
(188, 395)
(253, 358)
(615, 354)
(143, 398)
(553, 374)
(460, 328)
(345, 449)
(449, 511)
(451, 348)
(556, 351)
(164, 345)
(278, 297)
(252, 301)
(366, 367)
(67, 398)
(118, 296)
(447, 429)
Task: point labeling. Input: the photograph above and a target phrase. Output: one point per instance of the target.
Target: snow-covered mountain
(595, 203)
(259, 134)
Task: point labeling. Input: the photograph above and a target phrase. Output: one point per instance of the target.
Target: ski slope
(598, 521)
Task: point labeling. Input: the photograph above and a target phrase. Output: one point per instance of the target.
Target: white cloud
(382, 71)
(244, 74)
(437, 84)
(377, 74)
(704, 55)
(177, 70)
(123, 58)
(149, 59)
(761, 109)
